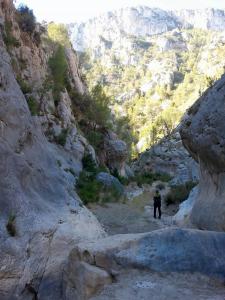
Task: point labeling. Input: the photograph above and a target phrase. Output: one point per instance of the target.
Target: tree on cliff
(26, 18)
(59, 34)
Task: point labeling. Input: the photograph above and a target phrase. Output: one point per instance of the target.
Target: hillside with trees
(152, 79)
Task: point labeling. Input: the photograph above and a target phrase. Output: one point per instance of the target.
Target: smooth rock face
(36, 187)
(185, 209)
(203, 134)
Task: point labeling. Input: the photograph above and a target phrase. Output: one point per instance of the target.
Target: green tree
(26, 18)
(59, 34)
(99, 112)
(58, 66)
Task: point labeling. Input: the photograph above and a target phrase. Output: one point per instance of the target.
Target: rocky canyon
(76, 200)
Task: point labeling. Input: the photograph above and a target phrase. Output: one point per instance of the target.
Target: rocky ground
(136, 216)
(133, 216)
(142, 285)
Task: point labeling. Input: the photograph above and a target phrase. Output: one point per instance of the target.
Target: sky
(66, 11)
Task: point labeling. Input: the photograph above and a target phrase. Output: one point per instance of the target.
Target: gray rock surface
(110, 181)
(202, 133)
(35, 187)
(115, 154)
(170, 157)
(185, 208)
(141, 21)
(167, 250)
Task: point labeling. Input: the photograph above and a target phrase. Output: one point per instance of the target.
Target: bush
(92, 191)
(179, 193)
(11, 225)
(88, 188)
(61, 138)
(95, 138)
(23, 85)
(33, 106)
(9, 39)
(26, 19)
(89, 164)
(149, 178)
(123, 180)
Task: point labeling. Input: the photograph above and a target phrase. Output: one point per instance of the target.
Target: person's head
(157, 192)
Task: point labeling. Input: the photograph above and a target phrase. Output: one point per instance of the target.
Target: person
(157, 204)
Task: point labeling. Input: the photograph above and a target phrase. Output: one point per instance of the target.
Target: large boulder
(110, 182)
(167, 250)
(203, 134)
(116, 153)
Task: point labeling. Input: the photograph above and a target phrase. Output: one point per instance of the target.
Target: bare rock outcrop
(203, 134)
(166, 250)
(115, 154)
(42, 217)
(169, 157)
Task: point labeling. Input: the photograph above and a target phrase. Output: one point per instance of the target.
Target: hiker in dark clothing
(157, 203)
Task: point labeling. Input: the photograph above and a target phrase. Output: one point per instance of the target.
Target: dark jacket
(157, 200)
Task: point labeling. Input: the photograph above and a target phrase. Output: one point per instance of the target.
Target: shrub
(26, 19)
(61, 138)
(89, 164)
(88, 188)
(122, 179)
(179, 193)
(9, 39)
(149, 178)
(11, 225)
(23, 85)
(33, 106)
(95, 138)
(92, 191)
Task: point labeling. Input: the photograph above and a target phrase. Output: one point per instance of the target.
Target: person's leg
(159, 208)
(155, 211)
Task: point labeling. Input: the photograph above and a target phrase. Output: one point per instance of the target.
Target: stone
(110, 181)
(166, 250)
(181, 218)
(116, 153)
(86, 279)
(202, 132)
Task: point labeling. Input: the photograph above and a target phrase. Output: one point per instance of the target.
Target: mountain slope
(147, 61)
(141, 22)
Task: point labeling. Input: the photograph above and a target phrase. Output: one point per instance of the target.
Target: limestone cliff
(42, 217)
(140, 21)
(202, 132)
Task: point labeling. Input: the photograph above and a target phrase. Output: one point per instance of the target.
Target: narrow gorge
(88, 132)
